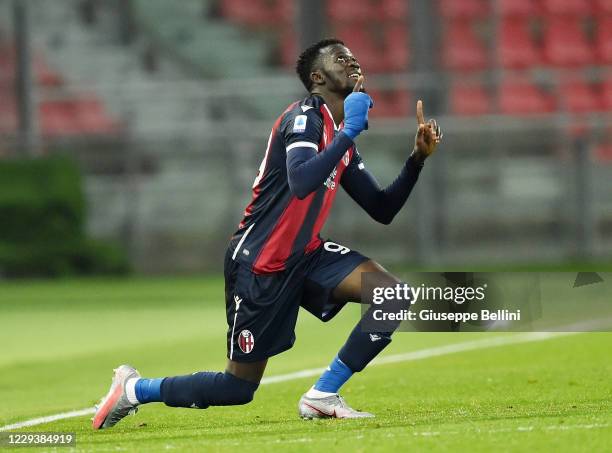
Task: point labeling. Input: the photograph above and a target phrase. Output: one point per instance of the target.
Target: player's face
(341, 69)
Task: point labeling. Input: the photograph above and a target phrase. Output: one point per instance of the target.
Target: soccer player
(276, 261)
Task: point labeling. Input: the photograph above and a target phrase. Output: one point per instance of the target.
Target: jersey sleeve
(302, 128)
(381, 204)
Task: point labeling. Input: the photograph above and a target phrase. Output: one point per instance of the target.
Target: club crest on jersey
(346, 159)
(246, 341)
(299, 124)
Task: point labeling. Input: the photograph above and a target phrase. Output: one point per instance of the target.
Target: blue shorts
(262, 309)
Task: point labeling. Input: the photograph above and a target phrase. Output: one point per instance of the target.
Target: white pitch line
(430, 352)
(405, 357)
(48, 419)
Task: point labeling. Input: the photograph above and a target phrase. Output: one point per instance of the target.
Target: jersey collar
(318, 101)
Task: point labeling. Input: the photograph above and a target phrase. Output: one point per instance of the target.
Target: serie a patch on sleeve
(299, 124)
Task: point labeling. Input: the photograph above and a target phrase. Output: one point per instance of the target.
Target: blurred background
(131, 130)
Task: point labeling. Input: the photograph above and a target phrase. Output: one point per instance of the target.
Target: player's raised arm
(383, 204)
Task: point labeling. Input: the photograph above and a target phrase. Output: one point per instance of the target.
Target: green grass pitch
(60, 341)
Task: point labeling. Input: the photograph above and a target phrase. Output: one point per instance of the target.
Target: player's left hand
(428, 135)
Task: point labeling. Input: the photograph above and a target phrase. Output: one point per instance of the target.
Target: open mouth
(354, 75)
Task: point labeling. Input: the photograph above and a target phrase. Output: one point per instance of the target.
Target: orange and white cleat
(115, 405)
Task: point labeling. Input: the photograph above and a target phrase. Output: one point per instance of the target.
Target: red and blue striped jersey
(278, 228)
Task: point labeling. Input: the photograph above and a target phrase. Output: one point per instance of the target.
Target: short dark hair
(307, 59)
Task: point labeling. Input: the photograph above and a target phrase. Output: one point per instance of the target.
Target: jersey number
(336, 248)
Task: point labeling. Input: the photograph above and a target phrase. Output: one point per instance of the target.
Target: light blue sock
(148, 390)
(334, 377)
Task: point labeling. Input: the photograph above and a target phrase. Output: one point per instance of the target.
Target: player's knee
(243, 395)
(239, 391)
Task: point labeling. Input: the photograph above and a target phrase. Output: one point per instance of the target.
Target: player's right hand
(428, 135)
(356, 106)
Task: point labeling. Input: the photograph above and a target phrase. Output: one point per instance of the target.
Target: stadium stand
(199, 111)
(531, 35)
(453, 9)
(517, 48)
(218, 41)
(519, 95)
(43, 74)
(78, 116)
(462, 49)
(362, 11)
(517, 8)
(364, 40)
(256, 13)
(565, 43)
(606, 92)
(469, 99)
(603, 40)
(396, 40)
(602, 7)
(566, 7)
(8, 118)
(577, 95)
(554, 36)
(286, 47)
(383, 47)
(207, 46)
(355, 11)
(603, 152)
(148, 100)
(70, 116)
(392, 10)
(395, 102)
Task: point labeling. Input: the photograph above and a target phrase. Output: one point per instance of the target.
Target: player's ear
(317, 77)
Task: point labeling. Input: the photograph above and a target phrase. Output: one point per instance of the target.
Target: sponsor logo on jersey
(246, 341)
(330, 182)
(374, 337)
(305, 107)
(299, 124)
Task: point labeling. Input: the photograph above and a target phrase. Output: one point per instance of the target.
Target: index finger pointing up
(358, 84)
(419, 113)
